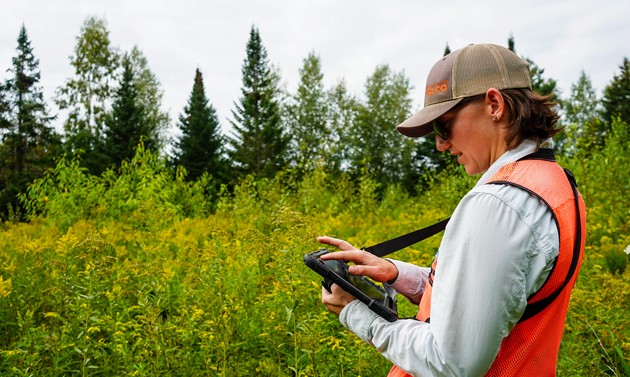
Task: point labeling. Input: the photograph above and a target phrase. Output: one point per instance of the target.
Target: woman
(495, 303)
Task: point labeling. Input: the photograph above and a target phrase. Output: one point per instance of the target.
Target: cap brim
(419, 124)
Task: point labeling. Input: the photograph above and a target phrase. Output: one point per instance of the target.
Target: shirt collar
(525, 148)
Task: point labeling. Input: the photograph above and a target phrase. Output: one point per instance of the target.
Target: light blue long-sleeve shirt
(497, 250)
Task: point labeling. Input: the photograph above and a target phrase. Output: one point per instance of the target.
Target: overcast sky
(351, 38)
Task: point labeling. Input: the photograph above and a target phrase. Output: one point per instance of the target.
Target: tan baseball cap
(466, 72)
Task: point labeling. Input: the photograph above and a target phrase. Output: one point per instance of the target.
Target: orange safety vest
(531, 348)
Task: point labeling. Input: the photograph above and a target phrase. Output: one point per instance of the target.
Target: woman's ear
(495, 105)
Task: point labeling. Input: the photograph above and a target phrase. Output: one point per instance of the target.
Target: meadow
(139, 273)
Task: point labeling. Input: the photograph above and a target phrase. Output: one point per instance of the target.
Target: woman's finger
(341, 244)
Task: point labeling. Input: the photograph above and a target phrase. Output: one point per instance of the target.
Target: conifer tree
(426, 159)
(540, 84)
(616, 99)
(308, 116)
(86, 98)
(258, 142)
(28, 141)
(583, 132)
(447, 50)
(510, 45)
(126, 125)
(200, 148)
(149, 95)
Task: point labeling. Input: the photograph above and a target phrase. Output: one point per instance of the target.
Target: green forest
(127, 252)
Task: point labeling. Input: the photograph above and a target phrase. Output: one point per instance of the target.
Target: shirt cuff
(358, 318)
(411, 279)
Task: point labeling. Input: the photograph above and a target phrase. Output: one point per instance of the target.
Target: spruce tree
(28, 142)
(200, 148)
(616, 99)
(510, 45)
(126, 125)
(583, 133)
(540, 84)
(149, 95)
(308, 116)
(426, 159)
(258, 142)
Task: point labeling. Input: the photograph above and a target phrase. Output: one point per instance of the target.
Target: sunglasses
(440, 129)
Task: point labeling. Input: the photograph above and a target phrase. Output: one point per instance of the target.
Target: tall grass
(131, 274)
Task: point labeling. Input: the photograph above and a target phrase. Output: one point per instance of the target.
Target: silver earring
(495, 118)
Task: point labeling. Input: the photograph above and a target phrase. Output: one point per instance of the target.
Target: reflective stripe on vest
(531, 348)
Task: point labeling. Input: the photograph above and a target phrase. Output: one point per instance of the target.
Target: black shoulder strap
(387, 247)
(536, 307)
(541, 154)
(398, 243)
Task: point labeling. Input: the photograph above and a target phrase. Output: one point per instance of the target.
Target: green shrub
(138, 272)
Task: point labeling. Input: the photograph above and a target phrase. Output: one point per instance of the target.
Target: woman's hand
(365, 263)
(337, 300)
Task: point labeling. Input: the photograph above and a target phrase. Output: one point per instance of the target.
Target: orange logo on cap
(438, 87)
